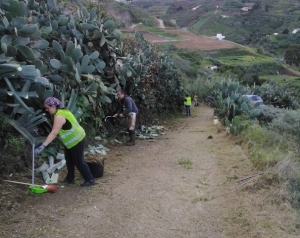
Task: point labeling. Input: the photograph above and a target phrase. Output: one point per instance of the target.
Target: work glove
(39, 149)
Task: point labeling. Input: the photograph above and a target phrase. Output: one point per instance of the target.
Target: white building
(212, 67)
(295, 30)
(219, 36)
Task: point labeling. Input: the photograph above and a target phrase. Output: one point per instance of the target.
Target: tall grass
(275, 148)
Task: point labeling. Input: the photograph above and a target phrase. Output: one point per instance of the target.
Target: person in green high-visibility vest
(72, 136)
(187, 104)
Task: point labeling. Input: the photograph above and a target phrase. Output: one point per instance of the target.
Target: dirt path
(161, 23)
(179, 186)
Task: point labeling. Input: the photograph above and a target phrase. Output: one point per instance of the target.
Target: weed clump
(186, 163)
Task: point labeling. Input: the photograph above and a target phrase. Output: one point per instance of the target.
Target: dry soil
(183, 184)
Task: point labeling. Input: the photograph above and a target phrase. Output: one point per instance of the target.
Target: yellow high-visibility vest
(188, 101)
(71, 137)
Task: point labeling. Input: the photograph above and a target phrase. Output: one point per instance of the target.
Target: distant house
(212, 67)
(220, 36)
(295, 30)
(124, 1)
(195, 8)
(246, 9)
(275, 34)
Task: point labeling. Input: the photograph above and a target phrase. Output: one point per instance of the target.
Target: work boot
(132, 138)
(129, 136)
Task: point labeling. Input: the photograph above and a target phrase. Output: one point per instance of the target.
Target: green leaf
(101, 65)
(227, 122)
(11, 51)
(6, 39)
(85, 12)
(108, 24)
(46, 94)
(26, 52)
(69, 48)
(69, 62)
(77, 53)
(245, 106)
(18, 22)
(14, 7)
(49, 53)
(38, 64)
(88, 69)
(55, 10)
(16, 96)
(117, 33)
(122, 80)
(102, 42)
(41, 44)
(4, 48)
(62, 55)
(93, 87)
(236, 121)
(85, 101)
(63, 21)
(27, 30)
(94, 55)
(55, 78)
(46, 29)
(56, 64)
(257, 104)
(38, 35)
(129, 73)
(79, 36)
(105, 99)
(22, 10)
(77, 76)
(85, 61)
(89, 27)
(51, 3)
(93, 14)
(255, 112)
(97, 34)
(55, 25)
(137, 80)
(56, 47)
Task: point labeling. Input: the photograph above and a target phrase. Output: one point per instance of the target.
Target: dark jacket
(128, 105)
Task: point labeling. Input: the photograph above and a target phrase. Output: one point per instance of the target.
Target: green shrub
(265, 147)
(277, 95)
(15, 152)
(288, 126)
(268, 113)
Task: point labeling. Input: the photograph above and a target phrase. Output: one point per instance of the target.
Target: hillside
(231, 18)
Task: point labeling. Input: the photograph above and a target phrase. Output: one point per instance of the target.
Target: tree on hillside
(256, 5)
(292, 55)
(286, 31)
(267, 6)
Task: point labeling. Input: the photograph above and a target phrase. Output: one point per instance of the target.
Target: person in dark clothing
(130, 111)
(73, 137)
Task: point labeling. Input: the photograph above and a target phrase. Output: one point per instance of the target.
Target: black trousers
(75, 158)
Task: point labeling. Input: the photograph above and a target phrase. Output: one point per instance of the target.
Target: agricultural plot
(279, 77)
(244, 60)
(183, 39)
(159, 11)
(161, 33)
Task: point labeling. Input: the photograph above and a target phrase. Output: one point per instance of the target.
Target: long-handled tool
(107, 117)
(37, 188)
